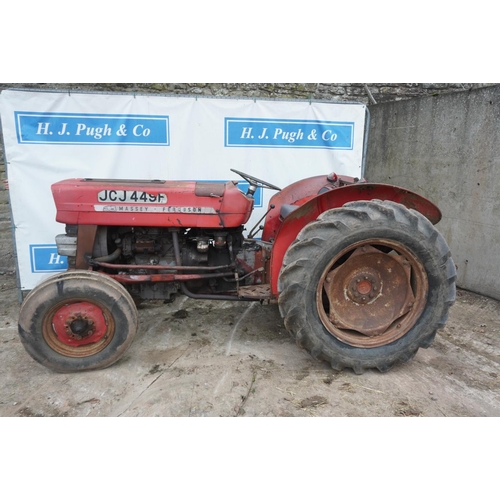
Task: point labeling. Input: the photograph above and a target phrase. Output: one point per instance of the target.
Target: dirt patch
(210, 358)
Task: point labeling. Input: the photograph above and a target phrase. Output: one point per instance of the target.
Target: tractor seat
(286, 210)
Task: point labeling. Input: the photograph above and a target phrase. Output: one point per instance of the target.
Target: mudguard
(335, 198)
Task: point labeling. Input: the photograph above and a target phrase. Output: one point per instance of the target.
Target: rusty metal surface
(156, 278)
(255, 292)
(310, 211)
(211, 189)
(85, 244)
(158, 267)
(373, 296)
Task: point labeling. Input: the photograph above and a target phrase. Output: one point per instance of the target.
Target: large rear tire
(366, 285)
(77, 321)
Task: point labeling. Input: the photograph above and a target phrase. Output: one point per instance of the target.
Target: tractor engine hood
(151, 203)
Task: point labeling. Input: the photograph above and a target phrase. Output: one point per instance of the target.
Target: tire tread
(301, 256)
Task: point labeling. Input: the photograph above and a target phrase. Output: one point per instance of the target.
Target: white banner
(51, 136)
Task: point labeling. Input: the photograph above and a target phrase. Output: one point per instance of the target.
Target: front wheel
(77, 320)
(366, 285)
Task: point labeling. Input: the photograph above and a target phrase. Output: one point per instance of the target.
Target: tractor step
(255, 292)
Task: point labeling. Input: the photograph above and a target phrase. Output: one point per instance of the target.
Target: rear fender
(298, 193)
(336, 198)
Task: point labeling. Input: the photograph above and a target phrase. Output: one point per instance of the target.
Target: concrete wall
(448, 149)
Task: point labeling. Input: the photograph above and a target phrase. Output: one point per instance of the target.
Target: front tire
(366, 285)
(77, 320)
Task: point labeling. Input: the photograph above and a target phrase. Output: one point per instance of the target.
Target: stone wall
(359, 92)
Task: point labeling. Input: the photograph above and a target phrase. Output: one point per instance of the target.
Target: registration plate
(126, 196)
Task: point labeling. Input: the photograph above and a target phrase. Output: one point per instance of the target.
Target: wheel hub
(363, 286)
(80, 327)
(79, 323)
(367, 298)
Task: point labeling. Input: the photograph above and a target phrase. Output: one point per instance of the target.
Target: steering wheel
(253, 181)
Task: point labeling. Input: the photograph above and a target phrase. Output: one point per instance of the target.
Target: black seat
(286, 210)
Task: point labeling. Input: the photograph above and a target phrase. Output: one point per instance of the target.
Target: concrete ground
(210, 358)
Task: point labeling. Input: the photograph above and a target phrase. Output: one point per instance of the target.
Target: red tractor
(361, 276)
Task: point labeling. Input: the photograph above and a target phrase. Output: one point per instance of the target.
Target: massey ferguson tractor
(360, 274)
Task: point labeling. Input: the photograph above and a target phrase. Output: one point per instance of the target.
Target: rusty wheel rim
(372, 293)
(78, 328)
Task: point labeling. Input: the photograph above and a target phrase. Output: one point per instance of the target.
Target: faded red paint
(76, 201)
(229, 206)
(310, 211)
(87, 314)
(298, 193)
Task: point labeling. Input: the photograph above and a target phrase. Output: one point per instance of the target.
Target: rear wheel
(78, 320)
(366, 285)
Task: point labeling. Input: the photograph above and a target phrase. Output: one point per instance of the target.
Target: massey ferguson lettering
(122, 196)
(153, 209)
